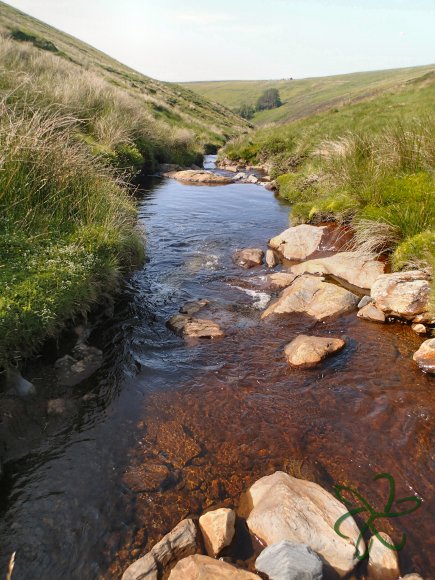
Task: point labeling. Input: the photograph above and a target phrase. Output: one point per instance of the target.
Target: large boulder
(402, 294)
(189, 327)
(306, 351)
(289, 561)
(299, 242)
(199, 176)
(349, 266)
(383, 561)
(206, 568)
(218, 529)
(425, 356)
(315, 297)
(248, 257)
(271, 259)
(178, 544)
(286, 508)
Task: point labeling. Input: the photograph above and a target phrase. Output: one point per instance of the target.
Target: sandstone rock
(56, 406)
(178, 544)
(412, 577)
(419, 328)
(424, 318)
(201, 176)
(280, 279)
(370, 312)
(402, 294)
(206, 568)
(248, 257)
(168, 167)
(289, 561)
(286, 508)
(252, 179)
(310, 350)
(217, 529)
(425, 356)
(299, 242)
(271, 259)
(349, 266)
(313, 296)
(193, 307)
(143, 569)
(383, 562)
(240, 176)
(272, 186)
(364, 301)
(187, 326)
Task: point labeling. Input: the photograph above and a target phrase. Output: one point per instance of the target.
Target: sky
(193, 40)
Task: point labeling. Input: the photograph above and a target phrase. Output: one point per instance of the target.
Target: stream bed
(167, 428)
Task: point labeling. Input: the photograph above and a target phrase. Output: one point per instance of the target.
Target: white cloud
(202, 17)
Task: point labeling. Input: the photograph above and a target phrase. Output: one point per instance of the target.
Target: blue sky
(248, 39)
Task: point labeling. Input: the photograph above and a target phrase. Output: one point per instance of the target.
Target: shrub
(270, 99)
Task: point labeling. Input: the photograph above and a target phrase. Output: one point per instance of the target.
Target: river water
(167, 428)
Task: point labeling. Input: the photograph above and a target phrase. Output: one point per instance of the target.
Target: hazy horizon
(244, 41)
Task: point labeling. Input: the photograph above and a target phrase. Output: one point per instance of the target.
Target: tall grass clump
(66, 227)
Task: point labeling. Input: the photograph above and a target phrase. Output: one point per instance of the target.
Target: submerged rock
(402, 294)
(349, 266)
(72, 370)
(178, 544)
(217, 529)
(286, 508)
(248, 257)
(21, 386)
(310, 350)
(425, 356)
(271, 259)
(199, 176)
(187, 326)
(315, 297)
(206, 568)
(383, 561)
(299, 242)
(289, 561)
(193, 307)
(371, 312)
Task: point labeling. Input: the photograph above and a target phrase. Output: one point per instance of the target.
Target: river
(167, 428)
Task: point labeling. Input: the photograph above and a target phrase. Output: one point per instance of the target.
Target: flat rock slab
(307, 351)
(248, 257)
(187, 326)
(218, 529)
(371, 312)
(289, 561)
(383, 561)
(173, 441)
(425, 356)
(315, 297)
(286, 508)
(299, 242)
(199, 176)
(349, 266)
(181, 542)
(402, 294)
(205, 568)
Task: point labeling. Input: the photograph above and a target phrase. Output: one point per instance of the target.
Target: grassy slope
(74, 126)
(367, 163)
(305, 97)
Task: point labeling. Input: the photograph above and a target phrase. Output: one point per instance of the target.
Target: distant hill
(302, 98)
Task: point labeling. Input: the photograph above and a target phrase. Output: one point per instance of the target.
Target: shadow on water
(167, 429)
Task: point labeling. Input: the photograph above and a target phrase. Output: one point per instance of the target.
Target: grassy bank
(75, 127)
(369, 164)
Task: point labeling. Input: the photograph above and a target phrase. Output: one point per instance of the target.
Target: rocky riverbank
(294, 521)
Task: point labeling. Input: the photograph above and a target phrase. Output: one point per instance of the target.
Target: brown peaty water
(168, 429)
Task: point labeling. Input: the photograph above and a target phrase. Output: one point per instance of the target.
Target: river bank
(92, 481)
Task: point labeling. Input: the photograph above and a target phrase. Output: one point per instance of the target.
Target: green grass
(306, 97)
(75, 127)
